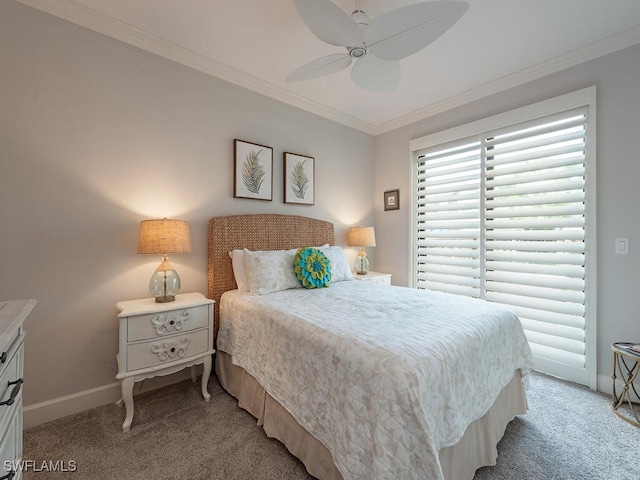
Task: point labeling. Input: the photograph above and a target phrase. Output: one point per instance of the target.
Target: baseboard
(605, 384)
(56, 408)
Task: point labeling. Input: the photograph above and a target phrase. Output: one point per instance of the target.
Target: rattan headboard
(256, 232)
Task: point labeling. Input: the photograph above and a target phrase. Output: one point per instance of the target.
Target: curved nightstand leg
(194, 374)
(205, 377)
(127, 398)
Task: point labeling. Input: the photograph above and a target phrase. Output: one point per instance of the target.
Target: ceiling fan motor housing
(361, 18)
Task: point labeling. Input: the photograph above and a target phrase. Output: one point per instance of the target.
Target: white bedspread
(383, 376)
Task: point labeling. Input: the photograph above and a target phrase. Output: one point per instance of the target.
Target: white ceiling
(257, 43)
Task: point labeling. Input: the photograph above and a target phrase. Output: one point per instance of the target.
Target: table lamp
(162, 237)
(361, 237)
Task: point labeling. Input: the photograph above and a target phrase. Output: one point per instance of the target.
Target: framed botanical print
(299, 179)
(392, 200)
(252, 171)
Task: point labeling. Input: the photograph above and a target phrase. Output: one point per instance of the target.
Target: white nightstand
(374, 277)
(161, 339)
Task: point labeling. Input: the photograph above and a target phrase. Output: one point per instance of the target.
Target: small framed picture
(252, 171)
(392, 200)
(299, 179)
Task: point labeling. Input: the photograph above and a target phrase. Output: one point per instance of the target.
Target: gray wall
(95, 136)
(617, 77)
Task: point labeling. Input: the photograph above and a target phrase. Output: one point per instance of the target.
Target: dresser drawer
(10, 382)
(8, 349)
(12, 316)
(153, 325)
(11, 444)
(167, 350)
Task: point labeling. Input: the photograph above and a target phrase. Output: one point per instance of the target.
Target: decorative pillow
(270, 270)
(312, 267)
(340, 269)
(239, 273)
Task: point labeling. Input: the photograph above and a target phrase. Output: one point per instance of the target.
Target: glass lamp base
(362, 263)
(164, 283)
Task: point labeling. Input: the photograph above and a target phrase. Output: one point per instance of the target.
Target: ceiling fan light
(357, 52)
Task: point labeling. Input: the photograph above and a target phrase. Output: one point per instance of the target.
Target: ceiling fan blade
(372, 73)
(320, 67)
(407, 30)
(330, 23)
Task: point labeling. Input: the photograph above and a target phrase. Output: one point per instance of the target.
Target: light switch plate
(622, 246)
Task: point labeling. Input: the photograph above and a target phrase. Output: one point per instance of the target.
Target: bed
(358, 380)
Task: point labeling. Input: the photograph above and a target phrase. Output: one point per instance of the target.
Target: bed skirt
(477, 447)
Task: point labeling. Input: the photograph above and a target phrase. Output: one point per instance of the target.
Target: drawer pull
(8, 476)
(17, 385)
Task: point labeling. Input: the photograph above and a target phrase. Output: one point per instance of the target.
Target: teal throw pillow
(312, 267)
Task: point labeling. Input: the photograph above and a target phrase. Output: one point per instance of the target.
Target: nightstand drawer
(167, 350)
(383, 280)
(153, 325)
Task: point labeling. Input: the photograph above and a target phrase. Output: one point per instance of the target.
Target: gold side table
(626, 363)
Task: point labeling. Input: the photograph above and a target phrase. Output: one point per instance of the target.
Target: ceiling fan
(376, 45)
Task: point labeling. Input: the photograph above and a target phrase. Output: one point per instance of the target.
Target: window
(504, 214)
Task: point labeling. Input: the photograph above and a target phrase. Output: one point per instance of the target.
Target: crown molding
(94, 20)
(596, 49)
(111, 27)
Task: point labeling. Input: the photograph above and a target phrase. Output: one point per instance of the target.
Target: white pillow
(239, 273)
(270, 270)
(340, 269)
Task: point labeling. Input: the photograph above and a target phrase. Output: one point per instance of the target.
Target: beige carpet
(175, 435)
(569, 433)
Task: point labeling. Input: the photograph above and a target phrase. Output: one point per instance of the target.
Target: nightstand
(161, 339)
(374, 277)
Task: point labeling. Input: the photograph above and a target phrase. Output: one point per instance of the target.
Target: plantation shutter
(534, 229)
(448, 219)
(504, 210)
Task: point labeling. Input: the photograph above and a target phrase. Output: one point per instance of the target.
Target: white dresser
(12, 316)
(161, 339)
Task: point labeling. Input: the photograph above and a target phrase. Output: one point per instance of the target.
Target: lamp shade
(164, 236)
(361, 237)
